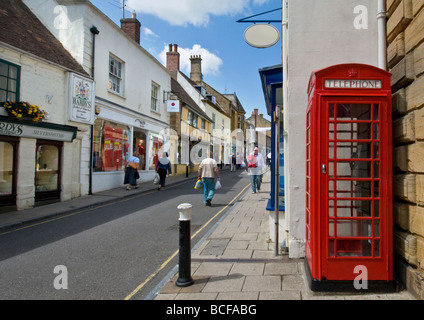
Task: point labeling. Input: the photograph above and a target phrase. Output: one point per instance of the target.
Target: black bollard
(184, 264)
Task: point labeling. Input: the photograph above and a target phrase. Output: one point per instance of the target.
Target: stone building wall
(405, 34)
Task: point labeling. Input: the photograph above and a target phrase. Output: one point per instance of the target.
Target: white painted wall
(321, 33)
(39, 79)
(70, 21)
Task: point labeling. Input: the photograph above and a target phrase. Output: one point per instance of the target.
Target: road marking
(136, 290)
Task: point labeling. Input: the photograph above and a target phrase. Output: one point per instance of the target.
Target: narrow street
(121, 250)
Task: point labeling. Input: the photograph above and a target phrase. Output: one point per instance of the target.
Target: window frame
(8, 79)
(155, 97)
(116, 75)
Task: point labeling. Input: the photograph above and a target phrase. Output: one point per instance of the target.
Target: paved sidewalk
(237, 262)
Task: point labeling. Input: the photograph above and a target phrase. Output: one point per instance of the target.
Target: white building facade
(131, 90)
(320, 33)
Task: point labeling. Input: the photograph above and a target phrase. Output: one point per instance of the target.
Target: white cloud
(211, 63)
(149, 32)
(195, 12)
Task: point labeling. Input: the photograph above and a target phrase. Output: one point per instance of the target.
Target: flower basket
(23, 111)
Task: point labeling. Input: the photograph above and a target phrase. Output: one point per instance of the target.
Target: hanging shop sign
(173, 106)
(81, 99)
(261, 35)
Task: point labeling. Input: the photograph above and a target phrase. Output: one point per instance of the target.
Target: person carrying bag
(131, 169)
(163, 168)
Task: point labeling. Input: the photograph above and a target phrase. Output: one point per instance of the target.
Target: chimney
(255, 112)
(132, 27)
(173, 58)
(196, 69)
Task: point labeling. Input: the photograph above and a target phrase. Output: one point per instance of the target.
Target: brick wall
(405, 33)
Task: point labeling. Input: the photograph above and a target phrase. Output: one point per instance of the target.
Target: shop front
(117, 134)
(31, 169)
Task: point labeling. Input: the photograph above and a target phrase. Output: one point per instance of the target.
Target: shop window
(156, 143)
(139, 144)
(47, 170)
(7, 171)
(110, 146)
(9, 81)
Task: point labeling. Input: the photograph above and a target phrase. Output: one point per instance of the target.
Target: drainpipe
(381, 22)
(285, 42)
(94, 32)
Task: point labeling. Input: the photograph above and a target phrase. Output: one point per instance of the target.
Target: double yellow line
(136, 290)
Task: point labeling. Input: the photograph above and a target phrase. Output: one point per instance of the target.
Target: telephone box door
(354, 180)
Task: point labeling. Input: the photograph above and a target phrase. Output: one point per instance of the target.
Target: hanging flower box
(23, 111)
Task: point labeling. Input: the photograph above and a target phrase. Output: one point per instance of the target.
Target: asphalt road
(118, 251)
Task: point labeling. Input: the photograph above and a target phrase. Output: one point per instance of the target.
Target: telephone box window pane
(331, 248)
(352, 111)
(331, 188)
(353, 208)
(376, 169)
(376, 150)
(353, 150)
(331, 150)
(376, 248)
(331, 169)
(353, 131)
(331, 208)
(376, 228)
(354, 228)
(355, 169)
(376, 131)
(376, 115)
(331, 131)
(353, 189)
(331, 228)
(353, 248)
(376, 189)
(376, 208)
(331, 111)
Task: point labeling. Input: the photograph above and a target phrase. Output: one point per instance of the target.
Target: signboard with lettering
(81, 99)
(36, 132)
(352, 84)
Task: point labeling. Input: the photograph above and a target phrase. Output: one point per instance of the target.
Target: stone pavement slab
(237, 262)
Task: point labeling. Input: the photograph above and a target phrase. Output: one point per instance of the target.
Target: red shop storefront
(349, 179)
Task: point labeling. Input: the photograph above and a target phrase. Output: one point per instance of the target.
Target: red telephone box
(349, 178)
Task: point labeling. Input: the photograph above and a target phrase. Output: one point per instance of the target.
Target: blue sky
(208, 28)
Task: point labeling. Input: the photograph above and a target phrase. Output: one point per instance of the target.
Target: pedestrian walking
(207, 170)
(255, 165)
(131, 169)
(233, 163)
(163, 168)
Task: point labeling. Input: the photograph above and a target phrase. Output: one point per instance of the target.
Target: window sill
(116, 94)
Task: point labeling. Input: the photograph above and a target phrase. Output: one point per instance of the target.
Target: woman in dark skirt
(163, 167)
(129, 178)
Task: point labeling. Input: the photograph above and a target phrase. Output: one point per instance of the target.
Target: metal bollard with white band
(184, 276)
